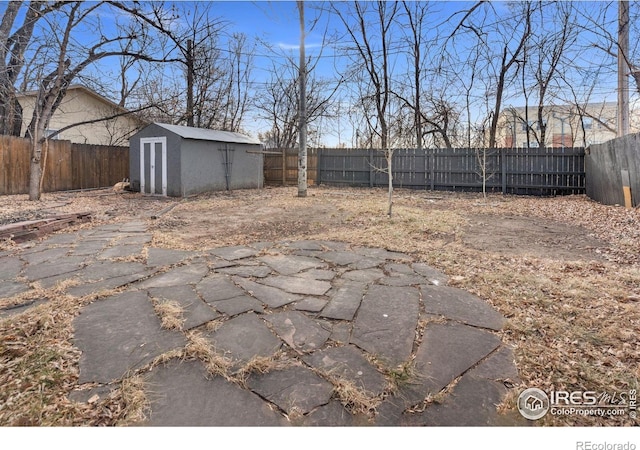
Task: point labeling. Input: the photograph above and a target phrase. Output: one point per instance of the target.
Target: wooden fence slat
(67, 167)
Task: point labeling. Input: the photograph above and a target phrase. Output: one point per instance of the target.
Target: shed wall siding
(203, 168)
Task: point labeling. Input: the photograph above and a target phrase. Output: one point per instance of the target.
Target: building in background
(82, 104)
(565, 125)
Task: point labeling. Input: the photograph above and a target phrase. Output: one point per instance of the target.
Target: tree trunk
(484, 173)
(389, 155)
(10, 113)
(35, 169)
(302, 112)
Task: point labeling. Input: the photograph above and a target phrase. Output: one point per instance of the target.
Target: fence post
(318, 167)
(371, 172)
(284, 166)
(503, 157)
(432, 169)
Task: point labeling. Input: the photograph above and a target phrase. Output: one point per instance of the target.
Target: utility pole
(302, 112)
(190, 69)
(623, 68)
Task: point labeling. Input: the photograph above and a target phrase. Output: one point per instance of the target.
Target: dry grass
(39, 366)
(265, 364)
(353, 398)
(198, 347)
(171, 314)
(133, 396)
(573, 322)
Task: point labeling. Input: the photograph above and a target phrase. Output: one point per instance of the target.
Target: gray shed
(179, 161)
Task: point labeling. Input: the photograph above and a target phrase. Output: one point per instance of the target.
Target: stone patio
(321, 318)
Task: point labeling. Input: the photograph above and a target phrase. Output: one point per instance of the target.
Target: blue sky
(276, 23)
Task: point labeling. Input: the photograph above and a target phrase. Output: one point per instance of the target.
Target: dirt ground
(542, 238)
(565, 271)
(498, 225)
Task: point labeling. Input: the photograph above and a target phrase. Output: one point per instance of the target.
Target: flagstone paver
(289, 265)
(10, 288)
(341, 258)
(46, 255)
(434, 359)
(349, 363)
(472, 402)
(460, 305)
(166, 257)
(214, 288)
(325, 312)
(297, 285)
(244, 338)
(121, 251)
(296, 389)
(386, 323)
(333, 414)
(14, 310)
(190, 274)
(119, 334)
(298, 331)
(432, 275)
(311, 304)
(135, 239)
(234, 253)
(270, 296)
(341, 332)
(364, 275)
(87, 288)
(318, 274)
(184, 394)
(246, 271)
(50, 269)
(238, 305)
(9, 268)
(101, 270)
(345, 301)
(89, 247)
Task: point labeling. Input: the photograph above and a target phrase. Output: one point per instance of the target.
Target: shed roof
(204, 134)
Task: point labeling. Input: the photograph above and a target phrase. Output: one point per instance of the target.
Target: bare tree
(600, 25)
(371, 36)
(192, 35)
(416, 15)
(502, 40)
(14, 41)
(547, 50)
(277, 103)
(236, 88)
(70, 59)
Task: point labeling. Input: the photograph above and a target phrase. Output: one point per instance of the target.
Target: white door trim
(152, 169)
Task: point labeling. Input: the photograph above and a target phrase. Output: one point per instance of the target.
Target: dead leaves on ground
(574, 323)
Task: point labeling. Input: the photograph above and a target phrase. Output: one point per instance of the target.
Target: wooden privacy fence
(532, 171)
(281, 167)
(612, 166)
(67, 166)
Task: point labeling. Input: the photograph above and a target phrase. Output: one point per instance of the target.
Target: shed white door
(153, 165)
